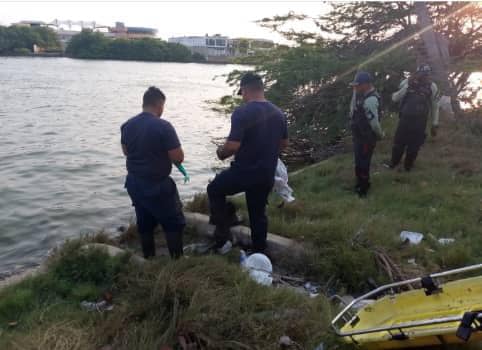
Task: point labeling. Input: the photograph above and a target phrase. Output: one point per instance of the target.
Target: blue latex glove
(183, 171)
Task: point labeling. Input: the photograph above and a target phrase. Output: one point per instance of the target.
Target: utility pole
(435, 55)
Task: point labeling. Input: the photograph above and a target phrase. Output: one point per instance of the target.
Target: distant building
(121, 31)
(66, 29)
(214, 45)
(249, 46)
(30, 24)
(218, 45)
(65, 36)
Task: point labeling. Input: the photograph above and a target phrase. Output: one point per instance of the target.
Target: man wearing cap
(258, 133)
(365, 114)
(418, 97)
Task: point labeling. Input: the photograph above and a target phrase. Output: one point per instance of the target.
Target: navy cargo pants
(408, 139)
(363, 152)
(157, 203)
(256, 186)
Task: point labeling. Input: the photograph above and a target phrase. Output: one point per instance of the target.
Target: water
(61, 164)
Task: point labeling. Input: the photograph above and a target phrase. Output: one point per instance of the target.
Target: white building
(214, 45)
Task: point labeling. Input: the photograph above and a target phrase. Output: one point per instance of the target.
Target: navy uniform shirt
(259, 126)
(148, 139)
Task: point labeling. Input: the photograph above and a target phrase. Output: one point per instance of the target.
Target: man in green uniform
(365, 113)
(418, 97)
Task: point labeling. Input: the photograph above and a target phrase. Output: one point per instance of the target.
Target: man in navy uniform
(151, 146)
(258, 133)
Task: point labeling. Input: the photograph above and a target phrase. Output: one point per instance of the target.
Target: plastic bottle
(242, 258)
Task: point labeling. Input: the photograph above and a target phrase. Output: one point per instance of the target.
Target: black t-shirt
(259, 126)
(148, 139)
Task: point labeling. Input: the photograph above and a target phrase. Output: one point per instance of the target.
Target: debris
(411, 237)
(281, 187)
(198, 248)
(284, 340)
(259, 267)
(287, 342)
(412, 261)
(190, 341)
(226, 248)
(320, 346)
(101, 306)
(445, 241)
(312, 289)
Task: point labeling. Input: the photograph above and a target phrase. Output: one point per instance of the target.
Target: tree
(434, 55)
(89, 44)
(15, 38)
(310, 80)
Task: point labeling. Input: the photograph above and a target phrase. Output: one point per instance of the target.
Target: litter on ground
(411, 237)
(258, 266)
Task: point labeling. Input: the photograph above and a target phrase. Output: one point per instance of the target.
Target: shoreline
(63, 55)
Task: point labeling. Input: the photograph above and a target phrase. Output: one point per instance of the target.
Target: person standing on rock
(151, 146)
(258, 133)
(418, 97)
(365, 115)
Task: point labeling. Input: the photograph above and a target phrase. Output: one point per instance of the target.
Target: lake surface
(61, 166)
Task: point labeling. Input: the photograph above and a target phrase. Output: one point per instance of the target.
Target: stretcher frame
(348, 314)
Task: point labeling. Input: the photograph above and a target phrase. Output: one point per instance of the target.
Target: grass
(345, 235)
(206, 299)
(210, 301)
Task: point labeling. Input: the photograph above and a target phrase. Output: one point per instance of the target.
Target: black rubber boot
(174, 244)
(364, 186)
(148, 245)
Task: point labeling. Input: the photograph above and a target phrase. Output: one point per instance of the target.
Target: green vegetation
(345, 235)
(20, 40)
(209, 300)
(206, 299)
(95, 45)
(310, 81)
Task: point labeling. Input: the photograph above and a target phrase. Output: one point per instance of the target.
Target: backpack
(415, 106)
(360, 124)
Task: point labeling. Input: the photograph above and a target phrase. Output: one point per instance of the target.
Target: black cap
(248, 79)
(424, 69)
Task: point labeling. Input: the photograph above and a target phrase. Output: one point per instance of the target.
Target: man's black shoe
(388, 165)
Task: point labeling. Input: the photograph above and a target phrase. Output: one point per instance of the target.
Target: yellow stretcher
(449, 313)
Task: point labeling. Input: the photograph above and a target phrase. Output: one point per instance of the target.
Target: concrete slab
(278, 246)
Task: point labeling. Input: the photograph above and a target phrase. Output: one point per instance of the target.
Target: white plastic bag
(411, 237)
(281, 187)
(259, 268)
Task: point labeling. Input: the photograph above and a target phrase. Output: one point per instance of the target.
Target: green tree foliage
(95, 45)
(14, 39)
(310, 80)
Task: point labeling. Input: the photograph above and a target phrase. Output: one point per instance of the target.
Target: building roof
(141, 30)
(32, 22)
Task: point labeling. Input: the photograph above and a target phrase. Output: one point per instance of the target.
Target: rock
(114, 251)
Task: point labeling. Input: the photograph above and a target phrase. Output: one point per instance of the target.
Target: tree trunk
(436, 60)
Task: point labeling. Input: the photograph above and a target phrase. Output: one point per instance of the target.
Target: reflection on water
(60, 160)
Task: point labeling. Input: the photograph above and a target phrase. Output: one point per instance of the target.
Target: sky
(233, 18)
